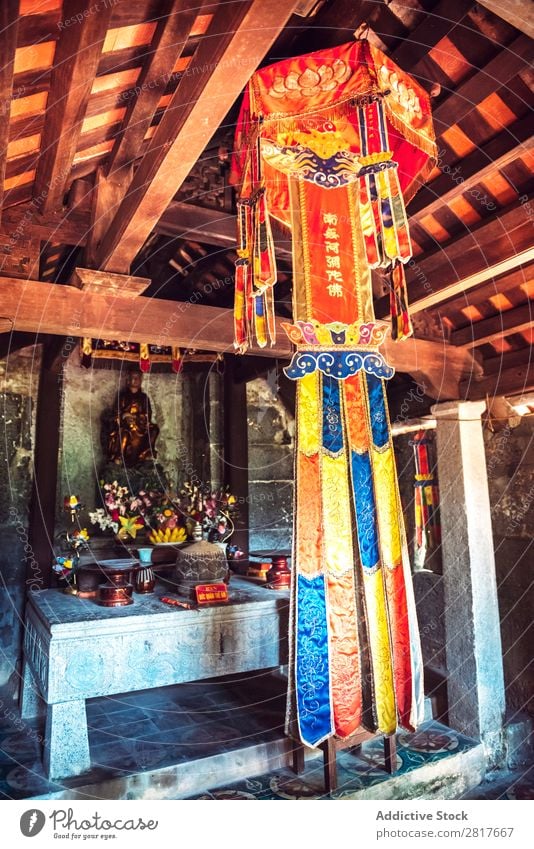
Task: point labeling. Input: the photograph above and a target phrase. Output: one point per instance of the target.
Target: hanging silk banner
(426, 500)
(331, 144)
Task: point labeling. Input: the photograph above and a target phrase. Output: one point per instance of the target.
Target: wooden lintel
(237, 40)
(105, 281)
(60, 310)
(511, 381)
(70, 227)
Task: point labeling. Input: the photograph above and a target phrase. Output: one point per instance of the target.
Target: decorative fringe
(255, 271)
(383, 215)
(177, 360)
(401, 326)
(144, 358)
(86, 351)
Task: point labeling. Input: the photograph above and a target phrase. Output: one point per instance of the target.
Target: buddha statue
(131, 436)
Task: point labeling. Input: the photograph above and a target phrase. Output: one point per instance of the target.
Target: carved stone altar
(74, 650)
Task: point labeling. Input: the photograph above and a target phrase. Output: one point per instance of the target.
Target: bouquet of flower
(126, 514)
(213, 509)
(123, 512)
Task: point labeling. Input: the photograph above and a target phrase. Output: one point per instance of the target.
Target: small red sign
(211, 593)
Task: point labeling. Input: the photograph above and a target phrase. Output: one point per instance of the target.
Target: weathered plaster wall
(270, 455)
(19, 378)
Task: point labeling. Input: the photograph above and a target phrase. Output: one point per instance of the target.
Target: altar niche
(116, 426)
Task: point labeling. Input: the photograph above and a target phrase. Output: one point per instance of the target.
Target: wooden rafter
(496, 246)
(498, 72)
(167, 45)
(521, 357)
(9, 14)
(238, 39)
(76, 59)
(507, 283)
(435, 26)
(480, 332)
(508, 146)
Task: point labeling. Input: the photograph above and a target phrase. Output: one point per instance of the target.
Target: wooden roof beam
(239, 37)
(9, 16)
(172, 31)
(519, 277)
(509, 381)
(75, 62)
(516, 12)
(489, 329)
(435, 26)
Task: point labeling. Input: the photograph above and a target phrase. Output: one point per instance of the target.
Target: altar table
(75, 650)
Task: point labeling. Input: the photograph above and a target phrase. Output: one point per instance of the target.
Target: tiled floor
(357, 770)
(148, 730)
(146, 733)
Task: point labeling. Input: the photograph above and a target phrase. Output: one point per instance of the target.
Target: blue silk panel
(332, 425)
(377, 407)
(364, 505)
(311, 661)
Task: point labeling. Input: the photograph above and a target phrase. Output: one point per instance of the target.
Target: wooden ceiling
(117, 116)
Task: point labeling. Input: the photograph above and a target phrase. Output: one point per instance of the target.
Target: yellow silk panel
(380, 652)
(309, 417)
(386, 504)
(336, 499)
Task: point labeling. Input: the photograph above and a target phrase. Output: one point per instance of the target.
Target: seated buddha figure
(132, 435)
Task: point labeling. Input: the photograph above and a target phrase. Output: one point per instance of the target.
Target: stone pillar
(472, 626)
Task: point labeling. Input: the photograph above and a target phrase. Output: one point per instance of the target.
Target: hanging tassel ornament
(401, 325)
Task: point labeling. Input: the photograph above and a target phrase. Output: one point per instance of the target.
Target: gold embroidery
(336, 515)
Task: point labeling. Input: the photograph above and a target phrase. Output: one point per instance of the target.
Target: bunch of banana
(168, 535)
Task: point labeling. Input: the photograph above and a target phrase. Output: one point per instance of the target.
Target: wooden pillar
(475, 678)
(45, 464)
(236, 449)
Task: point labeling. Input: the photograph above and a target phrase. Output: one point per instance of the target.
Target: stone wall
(19, 379)
(510, 463)
(270, 457)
